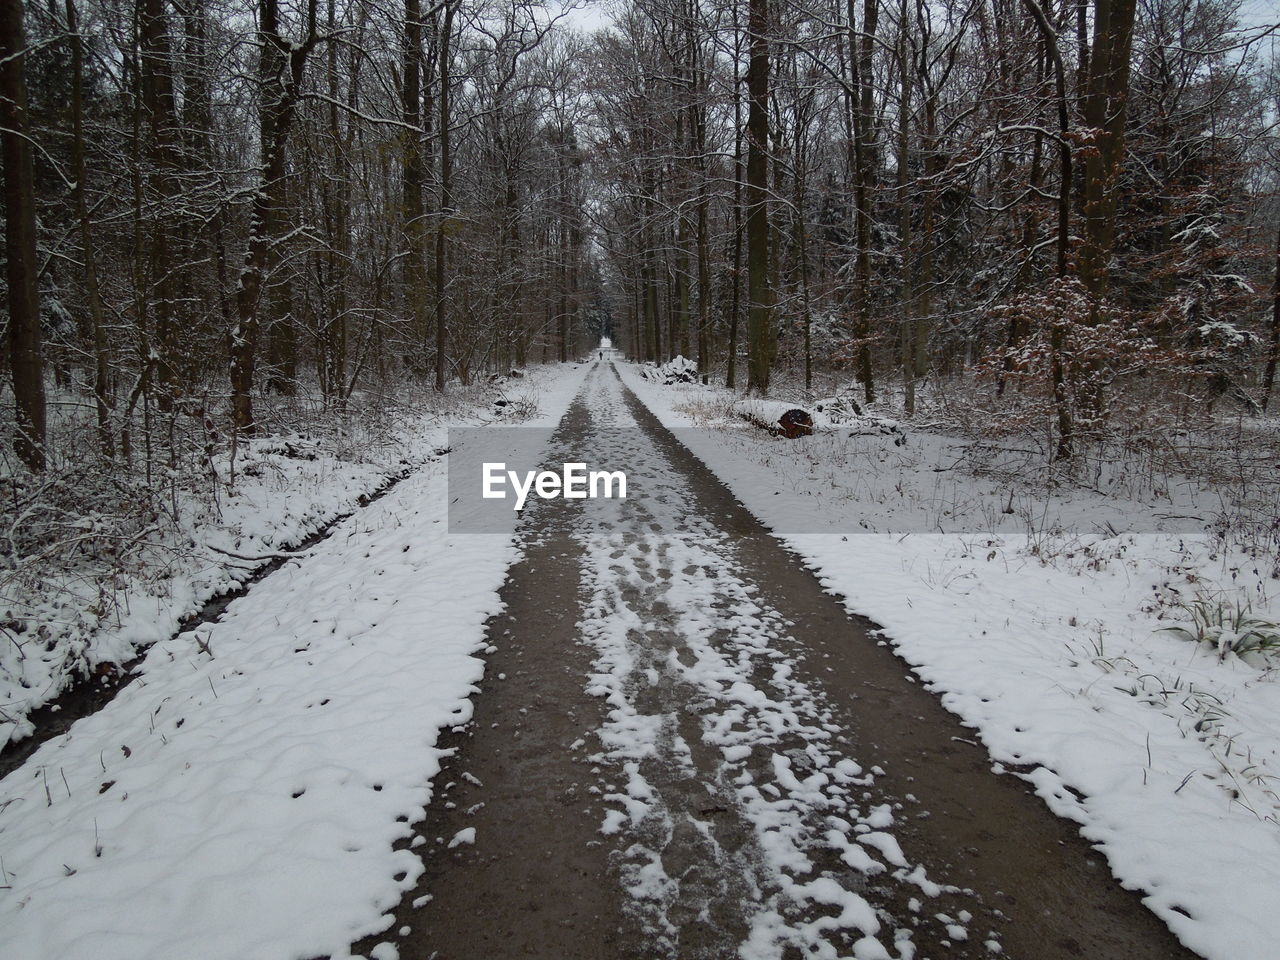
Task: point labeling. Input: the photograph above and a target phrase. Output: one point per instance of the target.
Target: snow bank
(71, 624)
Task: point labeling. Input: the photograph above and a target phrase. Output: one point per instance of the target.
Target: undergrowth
(98, 544)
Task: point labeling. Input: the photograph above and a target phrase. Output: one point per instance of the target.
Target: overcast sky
(592, 14)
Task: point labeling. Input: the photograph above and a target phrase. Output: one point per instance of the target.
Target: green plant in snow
(1227, 627)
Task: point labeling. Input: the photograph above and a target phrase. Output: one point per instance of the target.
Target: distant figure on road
(601, 354)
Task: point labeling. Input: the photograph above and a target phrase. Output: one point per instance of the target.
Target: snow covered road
(667, 741)
(742, 770)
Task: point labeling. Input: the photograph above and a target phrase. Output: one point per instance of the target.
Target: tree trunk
(906, 297)
(102, 362)
(562, 266)
(1105, 105)
(862, 63)
(680, 315)
(338, 252)
(25, 347)
(446, 199)
(414, 179)
(698, 135)
(155, 56)
(1269, 379)
(1061, 400)
(280, 70)
(761, 341)
(801, 237)
(735, 298)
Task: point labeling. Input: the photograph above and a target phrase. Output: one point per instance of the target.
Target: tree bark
(334, 340)
(1061, 400)
(1269, 379)
(906, 297)
(26, 358)
(102, 362)
(735, 298)
(698, 134)
(280, 70)
(446, 198)
(1106, 99)
(861, 55)
(761, 340)
(155, 55)
(414, 174)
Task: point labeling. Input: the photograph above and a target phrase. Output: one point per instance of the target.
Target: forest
(935, 344)
(228, 219)
(210, 203)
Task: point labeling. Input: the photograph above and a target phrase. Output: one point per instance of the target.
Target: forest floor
(642, 728)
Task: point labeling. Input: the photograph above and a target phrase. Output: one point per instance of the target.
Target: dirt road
(684, 748)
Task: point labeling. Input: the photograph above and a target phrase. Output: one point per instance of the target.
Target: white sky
(592, 14)
(589, 15)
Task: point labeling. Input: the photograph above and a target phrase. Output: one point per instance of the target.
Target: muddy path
(685, 748)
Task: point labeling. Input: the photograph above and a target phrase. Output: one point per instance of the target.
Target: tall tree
(414, 176)
(102, 361)
(1105, 108)
(281, 63)
(25, 339)
(1273, 352)
(861, 53)
(444, 221)
(161, 188)
(761, 338)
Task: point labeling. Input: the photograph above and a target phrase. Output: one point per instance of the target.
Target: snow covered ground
(65, 623)
(242, 797)
(119, 564)
(245, 797)
(1040, 630)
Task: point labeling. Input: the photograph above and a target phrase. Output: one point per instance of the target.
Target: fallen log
(778, 418)
(839, 415)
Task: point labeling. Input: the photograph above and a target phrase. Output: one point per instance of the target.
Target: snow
(252, 795)
(244, 802)
(465, 837)
(279, 500)
(1045, 639)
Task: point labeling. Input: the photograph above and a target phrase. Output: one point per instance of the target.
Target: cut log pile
(844, 412)
(676, 370)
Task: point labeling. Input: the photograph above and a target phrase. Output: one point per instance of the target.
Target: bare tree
(281, 63)
(761, 338)
(25, 346)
